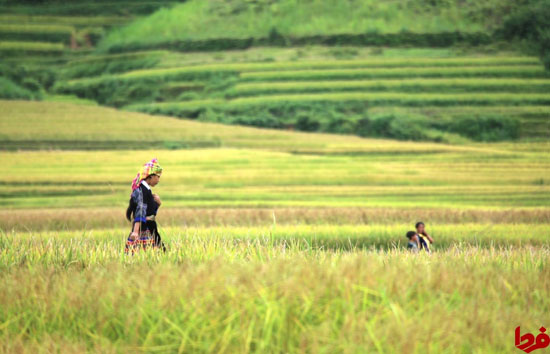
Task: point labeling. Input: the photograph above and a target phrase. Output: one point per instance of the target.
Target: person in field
(143, 207)
(413, 244)
(424, 239)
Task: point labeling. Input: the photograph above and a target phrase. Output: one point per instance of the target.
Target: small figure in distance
(413, 244)
(424, 239)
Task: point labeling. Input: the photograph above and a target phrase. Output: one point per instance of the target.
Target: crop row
(86, 9)
(401, 72)
(391, 63)
(100, 65)
(427, 63)
(47, 33)
(77, 21)
(415, 85)
(17, 28)
(388, 115)
(373, 63)
(403, 99)
(24, 47)
(206, 71)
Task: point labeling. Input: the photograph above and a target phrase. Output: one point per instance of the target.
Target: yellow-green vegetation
(257, 72)
(36, 30)
(333, 95)
(418, 53)
(40, 47)
(486, 221)
(195, 20)
(75, 21)
(70, 126)
(271, 168)
(53, 28)
(277, 241)
(321, 88)
(9, 89)
(396, 177)
(214, 292)
(413, 85)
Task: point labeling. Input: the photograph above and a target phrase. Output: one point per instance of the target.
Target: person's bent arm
(429, 238)
(157, 199)
(135, 233)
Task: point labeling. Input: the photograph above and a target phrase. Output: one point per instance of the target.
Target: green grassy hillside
(82, 8)
(417, 98)
(408, 88)
(198, 20)
(46, 125)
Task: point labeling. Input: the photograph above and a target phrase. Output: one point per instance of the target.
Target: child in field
(424, 239)
(413, 244)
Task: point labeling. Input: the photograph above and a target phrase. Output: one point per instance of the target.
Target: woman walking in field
(143, 207)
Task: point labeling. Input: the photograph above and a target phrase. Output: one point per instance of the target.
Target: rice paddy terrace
(507, 95)
(221, 170)
(452, 94)
(279, 240)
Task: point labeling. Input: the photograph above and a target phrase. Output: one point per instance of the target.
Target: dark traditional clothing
(424, 242)
(143, 208)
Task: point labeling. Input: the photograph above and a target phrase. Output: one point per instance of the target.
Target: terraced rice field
(489, 83)
(277, 240)
(23, 32)
(279, 92)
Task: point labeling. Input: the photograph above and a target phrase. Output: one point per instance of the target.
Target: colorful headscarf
(150, 168)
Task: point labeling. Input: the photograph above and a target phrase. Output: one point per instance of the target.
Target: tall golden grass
(79, 292)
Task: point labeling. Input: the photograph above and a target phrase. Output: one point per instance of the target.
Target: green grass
(519, 71)
(484, 221)
(396, 98)
(38, 28)
(412, 85)
(10, 90)
(290, 169)
(216, 291)
(374, 62)
(75, 21)
(278, 241)
(320, 94)
(374, 98)
(253, 72)
(313, 53)
(68, 99)
(93, 65)
(381, 175)
(534, 120)
(196, 20)
(15, 47)
(61, 127)
(268, 251)
(534, 111)
(85, 9)
(36, 32)
(227, 241)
